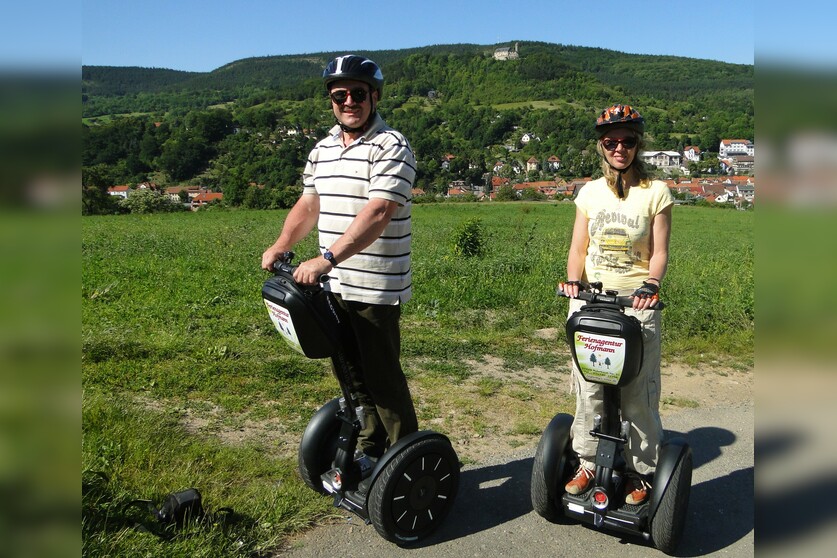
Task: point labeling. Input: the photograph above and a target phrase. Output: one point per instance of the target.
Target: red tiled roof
(204, 197)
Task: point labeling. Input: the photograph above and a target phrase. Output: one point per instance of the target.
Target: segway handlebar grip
(623, 301)
(282, 265)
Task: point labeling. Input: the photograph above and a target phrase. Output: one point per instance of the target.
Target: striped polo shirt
(380, 164)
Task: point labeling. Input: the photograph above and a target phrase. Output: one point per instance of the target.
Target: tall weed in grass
(172, 320)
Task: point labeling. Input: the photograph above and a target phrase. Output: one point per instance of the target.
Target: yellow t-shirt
(620, 231)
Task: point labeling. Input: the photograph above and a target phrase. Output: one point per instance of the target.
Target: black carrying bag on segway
(606, 344)
(307, 317)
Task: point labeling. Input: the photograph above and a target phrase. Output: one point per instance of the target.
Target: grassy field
(186, 383)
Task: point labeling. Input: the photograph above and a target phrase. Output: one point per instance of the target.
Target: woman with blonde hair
(621, 238)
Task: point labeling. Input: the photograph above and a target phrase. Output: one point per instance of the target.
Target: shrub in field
(469, 238)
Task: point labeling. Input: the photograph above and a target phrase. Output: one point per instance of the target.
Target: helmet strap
(620, 189)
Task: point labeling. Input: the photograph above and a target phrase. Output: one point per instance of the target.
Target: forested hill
(254, 120)
(458, 72)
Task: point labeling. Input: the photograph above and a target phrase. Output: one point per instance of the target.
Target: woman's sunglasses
(612, 144)
(340, 96)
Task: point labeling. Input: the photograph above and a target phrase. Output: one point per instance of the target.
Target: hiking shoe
(636, 490)
(581, 481)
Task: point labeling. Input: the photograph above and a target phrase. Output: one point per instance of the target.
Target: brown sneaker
(636, 490)
(580, 481)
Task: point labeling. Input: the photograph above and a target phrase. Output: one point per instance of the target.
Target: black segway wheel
(415, 491)
(318, 447)
(668, 523)
(550, 468)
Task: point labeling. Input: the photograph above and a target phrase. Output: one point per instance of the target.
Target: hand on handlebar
(646, 296)
(570, 288)
(313, 271)
(275, 254)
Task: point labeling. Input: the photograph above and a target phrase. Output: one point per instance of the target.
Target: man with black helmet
(357, 191)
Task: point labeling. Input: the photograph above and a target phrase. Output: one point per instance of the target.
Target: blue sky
(203, 35)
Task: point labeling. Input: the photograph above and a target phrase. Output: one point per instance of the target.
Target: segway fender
(324, 421)
(672, 452)
(555, 440)
(402, 443)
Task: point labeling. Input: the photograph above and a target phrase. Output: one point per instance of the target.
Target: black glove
(647, 290)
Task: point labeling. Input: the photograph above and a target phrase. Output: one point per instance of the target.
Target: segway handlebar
(593, 292)
(284, 264)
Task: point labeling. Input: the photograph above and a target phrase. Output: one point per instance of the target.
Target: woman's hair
(637, 167)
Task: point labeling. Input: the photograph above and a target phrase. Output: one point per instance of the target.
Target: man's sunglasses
(612, 144)
(340, 96)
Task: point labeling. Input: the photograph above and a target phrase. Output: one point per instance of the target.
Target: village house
(527, 137)
(736, 147)
(204, 198)
(456, 192)
(553, 163)
(192, 192)
(532, 164)
(666, 160)
(446, 160)
(691, 153)
(727, 166)
(498, 182)
(743, 164)
(121, 191)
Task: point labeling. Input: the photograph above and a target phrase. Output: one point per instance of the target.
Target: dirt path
(492, 515)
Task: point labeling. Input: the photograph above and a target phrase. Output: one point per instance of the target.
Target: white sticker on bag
(601, 358)
(281, 318)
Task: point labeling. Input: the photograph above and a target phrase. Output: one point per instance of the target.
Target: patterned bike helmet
(354, 67)
(620, 116)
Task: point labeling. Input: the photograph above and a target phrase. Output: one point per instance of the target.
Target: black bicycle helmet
(354, 67)
(620, 116)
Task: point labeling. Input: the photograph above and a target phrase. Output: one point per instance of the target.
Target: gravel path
(493, 515)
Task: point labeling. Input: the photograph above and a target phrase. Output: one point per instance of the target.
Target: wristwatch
(330, 258)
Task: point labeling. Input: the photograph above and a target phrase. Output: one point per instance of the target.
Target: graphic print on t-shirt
(614, 234)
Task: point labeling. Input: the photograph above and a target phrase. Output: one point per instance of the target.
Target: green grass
(174, 330)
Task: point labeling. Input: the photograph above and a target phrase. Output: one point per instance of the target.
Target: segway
(408, 491)
(606, 345)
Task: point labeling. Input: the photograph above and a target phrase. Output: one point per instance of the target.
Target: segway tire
(412, 495)
(318, 447)
(550, 468)
(668, 523)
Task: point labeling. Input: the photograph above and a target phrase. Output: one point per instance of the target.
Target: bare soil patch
(493, 412)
